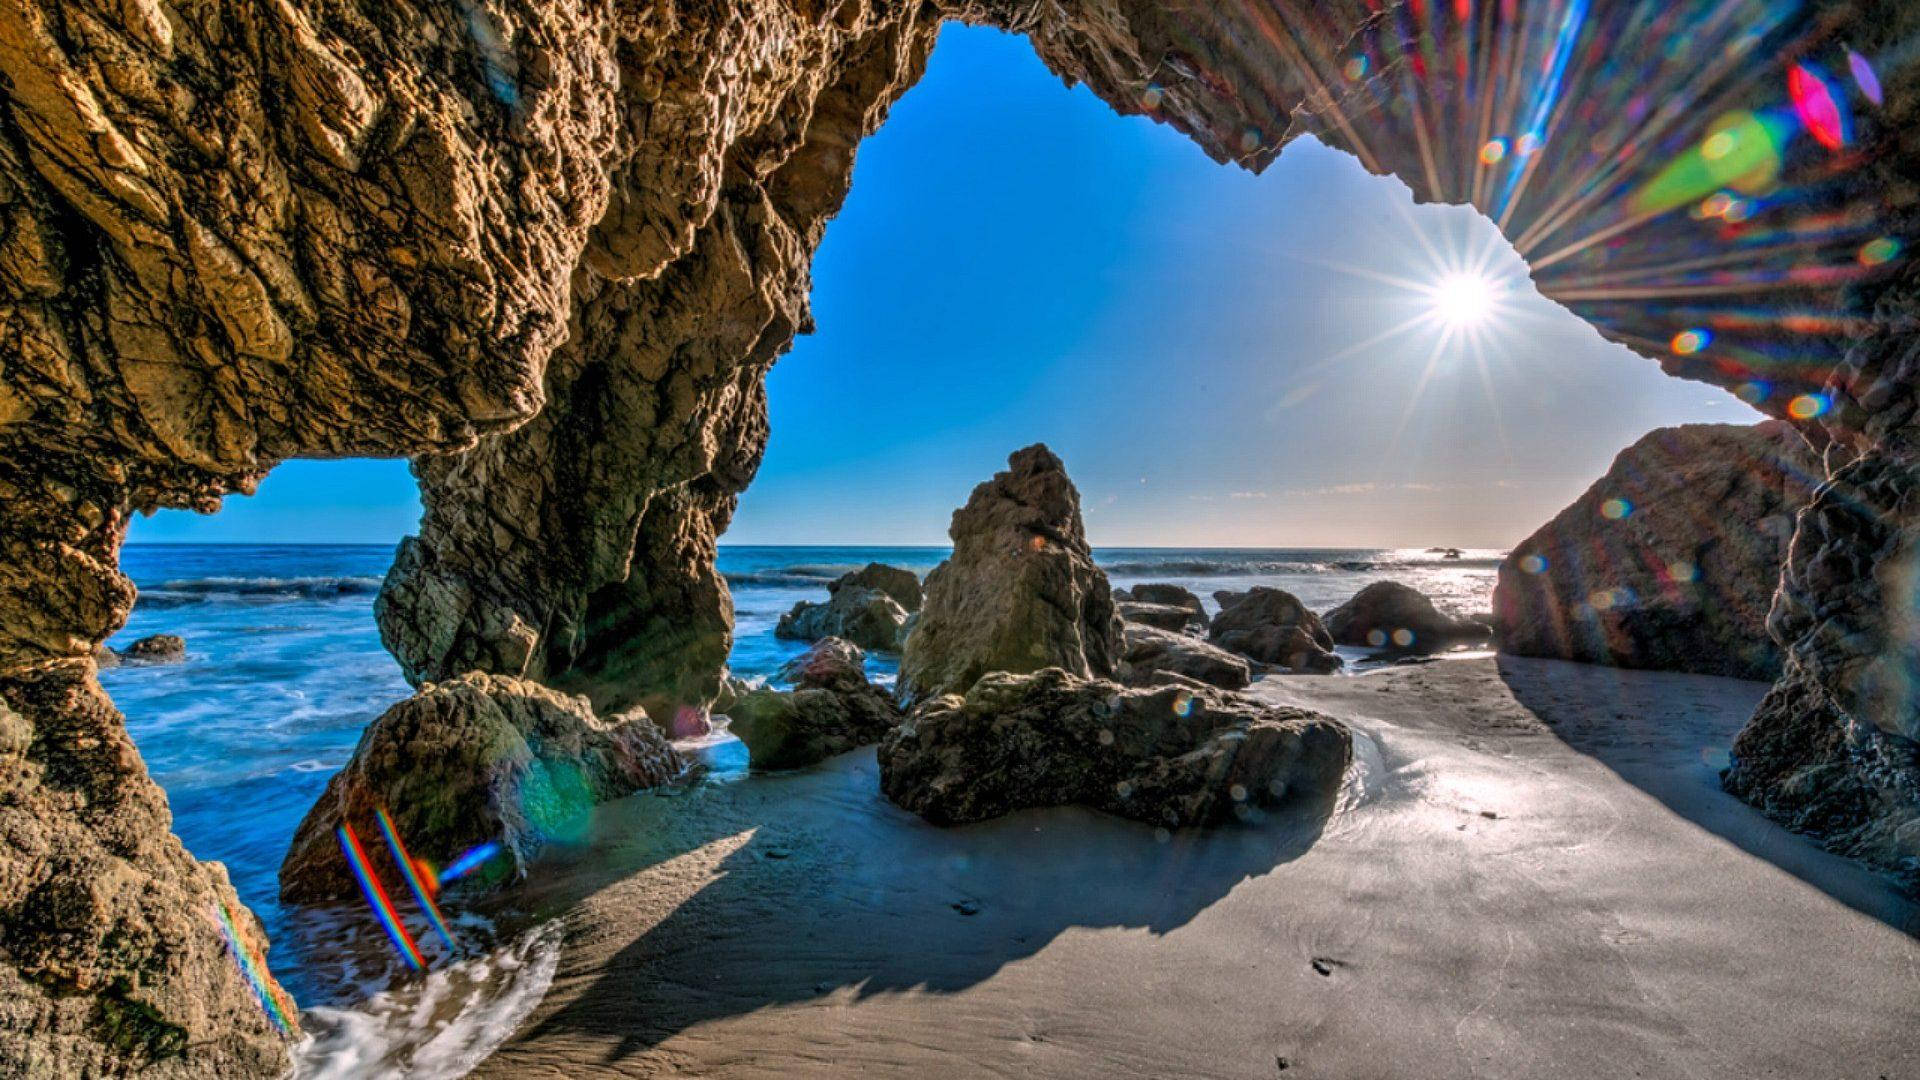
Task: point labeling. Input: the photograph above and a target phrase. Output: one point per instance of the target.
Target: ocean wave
(267, 590)
(1216, 567)
(1264, 567)
(435, 1028)
(790, 576)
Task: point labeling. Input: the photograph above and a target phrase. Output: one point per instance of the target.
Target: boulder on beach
(481, 759)
(832, 709)
(1161, 616)
(902, 585)
(1172, 595)
(1392, 617)
(1153, 654)
(156, 649)
(1273, 627)
(867, 617)
(1670, 561)
(1169, 756)
(1020, 592)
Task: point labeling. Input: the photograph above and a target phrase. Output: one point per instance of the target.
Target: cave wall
(552, 246)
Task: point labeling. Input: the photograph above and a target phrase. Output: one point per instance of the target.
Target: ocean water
(285, 668)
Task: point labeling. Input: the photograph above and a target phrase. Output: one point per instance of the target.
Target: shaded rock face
(478, 759)
(867, 617)
(902, 585)
(1392, 617)
(1273, 627)
(1670, 561)
(1152, 654)
(1170, 756)
(831, 710)
(233, 234)
(1020, 592)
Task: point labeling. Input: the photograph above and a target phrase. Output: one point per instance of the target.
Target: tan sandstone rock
(1021, 591)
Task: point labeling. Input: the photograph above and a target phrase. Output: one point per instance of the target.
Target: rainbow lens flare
(376, 895)
(270, 997)
(1688, 342)
(1809, 406)
(421, 894)
(1821, 111)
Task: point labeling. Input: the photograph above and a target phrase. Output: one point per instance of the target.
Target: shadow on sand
(780, 889)
(1667, 734)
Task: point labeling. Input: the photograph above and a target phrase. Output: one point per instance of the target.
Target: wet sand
(1532, 874)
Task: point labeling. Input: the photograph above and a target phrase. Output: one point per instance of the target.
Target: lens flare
(1616, 509)
(1493, 152)
(1809, 406)
(251, 965)
(1464, 300)
(421, 895)
(469, 861)
(1864, 78)
(376, 895)
(1821, 110)
(1879, 252)
(1688, 342)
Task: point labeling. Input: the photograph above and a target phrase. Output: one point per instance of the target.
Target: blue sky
(1017, 264)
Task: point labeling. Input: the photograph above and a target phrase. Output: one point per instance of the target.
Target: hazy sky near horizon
(1209, 351)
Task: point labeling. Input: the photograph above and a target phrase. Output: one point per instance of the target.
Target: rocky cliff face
(236, 233)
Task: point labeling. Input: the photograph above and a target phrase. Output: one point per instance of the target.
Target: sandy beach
(1532, 872)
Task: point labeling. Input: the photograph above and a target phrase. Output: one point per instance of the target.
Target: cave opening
(1775, 273)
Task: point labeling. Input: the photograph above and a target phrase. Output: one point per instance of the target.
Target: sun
(1462, 301)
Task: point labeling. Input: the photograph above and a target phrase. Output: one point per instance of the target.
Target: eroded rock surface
(474, 760)
(1020, 592)
(1392, 617)
(1170, 756)
(867, 617)
(902, 585)
(1152, 653)
(233, 234)
(832, 709)
(1274, 627)
(1670, 561)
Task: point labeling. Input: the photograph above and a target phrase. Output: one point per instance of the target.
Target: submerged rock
(1171, 756)
(832, 709)
(469, 761)
(867, 617)
(902, 585)
(1392, 617)
(1020, 592)
(1153, 654)
(1273, 627)
(1670, 561)
(156, 649)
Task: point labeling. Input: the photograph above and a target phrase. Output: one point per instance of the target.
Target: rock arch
(553, 245)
